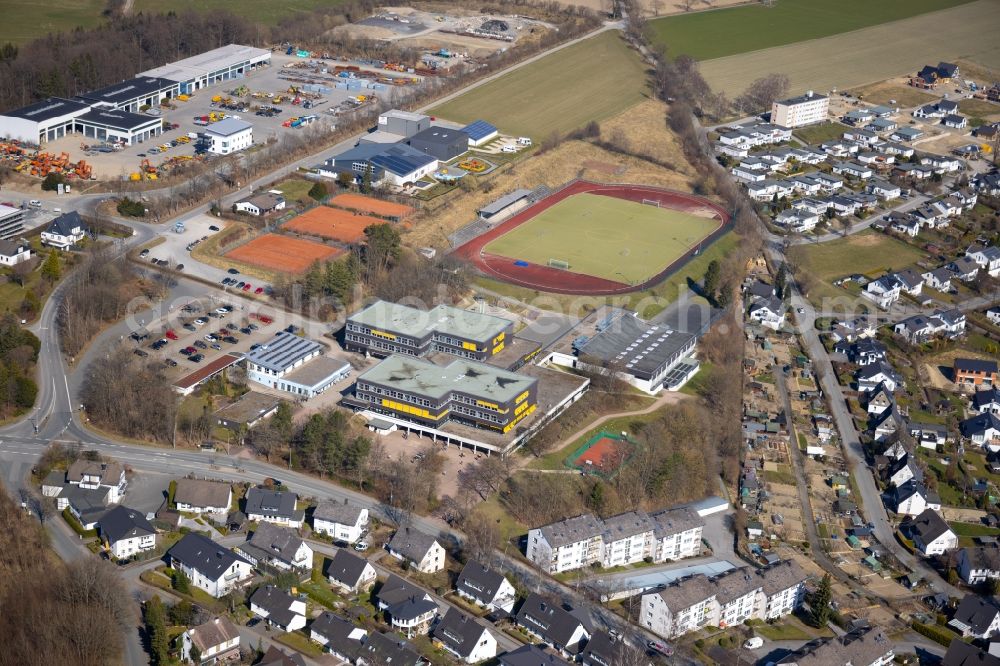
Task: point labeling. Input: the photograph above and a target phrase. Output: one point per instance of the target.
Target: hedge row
(935, 633)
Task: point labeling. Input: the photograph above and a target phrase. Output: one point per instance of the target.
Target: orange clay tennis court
(332, 223)
(281, 253)
(363, 204)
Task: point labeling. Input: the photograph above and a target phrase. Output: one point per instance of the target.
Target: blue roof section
(401, 159)
(479, 129)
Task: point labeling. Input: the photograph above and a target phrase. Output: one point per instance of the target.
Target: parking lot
(200, 332)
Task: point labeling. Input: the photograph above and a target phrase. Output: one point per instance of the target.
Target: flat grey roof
(227, 127)
(316, 370)
(799, 99)
(415, 375)
(404, 115)
(208, 62)
(442, 318)
(504, 201)
(282, 351)
(249, 407)
(637, 346)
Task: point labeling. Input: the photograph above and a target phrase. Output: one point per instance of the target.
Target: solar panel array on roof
(479, 129)
(283, 351)
(401, 161)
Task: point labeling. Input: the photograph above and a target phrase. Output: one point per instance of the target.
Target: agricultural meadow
(719, 33)
(590, 80)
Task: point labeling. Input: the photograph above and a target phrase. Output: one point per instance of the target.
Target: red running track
(558, 281)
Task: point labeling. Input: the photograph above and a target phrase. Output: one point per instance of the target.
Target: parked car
(662, 648)
(141, 352)
(213, 228)
(190, 327)
(221, 310)
(196, 358)
(753, 643)
(187, 351)
(246, 331)
(171, 362)
(231, 339)
(200, 321)
(170, 334)
(233, 271)
(239, 285)
(361, 546)
(200, 345)
(216, 345)
(144, 254)
(259, 290)
(247, 286)
(211, 337)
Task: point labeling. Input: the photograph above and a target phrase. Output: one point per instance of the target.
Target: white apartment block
(627, 538)
(802, 110)
(726, 600)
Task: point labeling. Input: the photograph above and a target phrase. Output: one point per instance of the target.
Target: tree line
(96, 294)
(378, 267)
(18, 355)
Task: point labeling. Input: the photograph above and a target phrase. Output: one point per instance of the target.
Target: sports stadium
(594, 239)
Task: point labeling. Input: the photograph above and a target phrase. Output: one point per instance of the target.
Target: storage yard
(289, 94)
(470, 33)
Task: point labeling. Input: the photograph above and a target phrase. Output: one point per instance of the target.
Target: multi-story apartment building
(623, 539)
(731, 598)
(802, 110)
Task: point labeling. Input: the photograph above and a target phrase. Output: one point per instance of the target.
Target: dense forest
(51, 612)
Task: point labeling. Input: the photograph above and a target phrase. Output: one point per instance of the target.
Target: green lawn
(868, 253)
(592, 80)
(973, 529)
(782, 632)
(623, 241)
(820, 133)
(724, 32)
(295, 189)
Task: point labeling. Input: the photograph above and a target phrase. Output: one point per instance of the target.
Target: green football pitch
(610, 238)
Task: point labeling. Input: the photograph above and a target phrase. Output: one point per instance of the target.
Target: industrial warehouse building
(480, 132)
(384, 328)
(232, 61)
(465, 391)
(112, 113)
(294, 365)
(132, 95)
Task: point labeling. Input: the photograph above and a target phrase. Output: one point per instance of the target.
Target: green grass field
(611, 238)
(592, 80)
(24, 20)
(868, 253)
(258, 11)
(724, 32)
